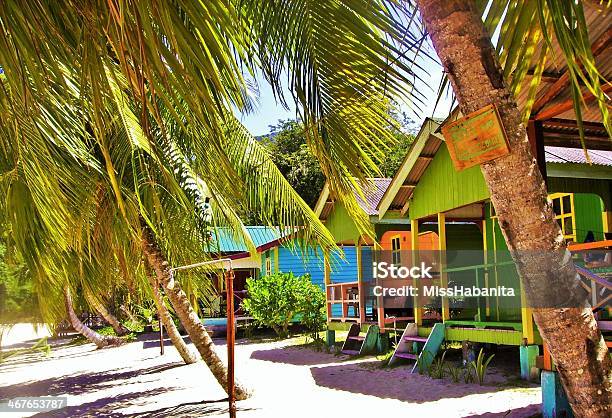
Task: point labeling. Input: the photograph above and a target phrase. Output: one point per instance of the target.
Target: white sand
(134, 380)
(19, 333)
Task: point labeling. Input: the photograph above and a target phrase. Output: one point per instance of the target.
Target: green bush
(313, 307)
(273, 301)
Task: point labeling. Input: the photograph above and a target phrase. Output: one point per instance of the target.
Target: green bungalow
(350, 302)
(439, 198)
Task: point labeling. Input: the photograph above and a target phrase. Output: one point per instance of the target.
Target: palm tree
(168, 323)
(173, 81)
(99, 307)
(517, 189)
(175, 74)
(100, 341)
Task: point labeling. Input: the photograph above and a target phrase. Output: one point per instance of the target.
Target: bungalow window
(563, 205)
(396, 255)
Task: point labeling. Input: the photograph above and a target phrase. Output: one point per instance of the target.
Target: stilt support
(528, 354)
(554, 401)
(330, 338)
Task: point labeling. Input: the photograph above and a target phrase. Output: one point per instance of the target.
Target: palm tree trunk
(182, 307)
(526, 217)
(119, 328)
(188, 356)
(99, 340)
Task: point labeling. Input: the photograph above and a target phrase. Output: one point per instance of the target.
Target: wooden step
(350, 352)
(605, 325)
(356, 338)
(407, 356)
(415, 338)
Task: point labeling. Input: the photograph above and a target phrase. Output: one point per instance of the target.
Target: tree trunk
(186, 314)
(188, 356)
(119, 328)
(99, 340)
(526, 217)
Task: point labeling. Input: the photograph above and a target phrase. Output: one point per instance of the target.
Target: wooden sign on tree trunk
(476, 138)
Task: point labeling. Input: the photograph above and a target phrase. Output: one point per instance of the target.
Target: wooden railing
(346, 295)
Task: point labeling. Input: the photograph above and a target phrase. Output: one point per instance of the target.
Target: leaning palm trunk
(119, 328)
(189, 319)
(188, 356)
(99, 340)
(527, 220)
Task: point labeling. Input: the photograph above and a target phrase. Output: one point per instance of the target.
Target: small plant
(421, 362)
(146, 315)
(480, 366)
(386, 357)
(436, 369)
(468, 376)
(454, 373)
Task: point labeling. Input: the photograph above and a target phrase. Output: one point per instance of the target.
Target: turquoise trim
(554, 401)
(528, 354)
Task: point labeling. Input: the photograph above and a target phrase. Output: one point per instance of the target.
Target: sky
(268, 112)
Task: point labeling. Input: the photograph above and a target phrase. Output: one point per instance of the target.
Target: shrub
(274, 300)
(312, 307)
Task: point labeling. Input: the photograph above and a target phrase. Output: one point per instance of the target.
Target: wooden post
(606, 218)
(414, 237)
(328, 290)
(443, 275)
(360, 287)
(276, 263)
(231, 396)
(527, 320)
(485, 250)
(161, 335)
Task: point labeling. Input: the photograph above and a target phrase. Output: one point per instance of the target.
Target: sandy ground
(135, 381)
(22, 333)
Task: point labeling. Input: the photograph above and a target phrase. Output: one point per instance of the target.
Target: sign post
(476, 138)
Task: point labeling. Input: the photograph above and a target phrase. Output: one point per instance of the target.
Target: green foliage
(275, 300)
(145, 313)
(454, 372)
(386, 357)
(421, 362)
(288, 149)
(41, 346)
(437, 367)
(468, 376)
(18, 301)
(480, 366)
(313, 315)
(395, 156)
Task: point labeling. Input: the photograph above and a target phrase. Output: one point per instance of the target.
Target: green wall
(600, 187)
(340, 224)
(588, 209)
(441, 188)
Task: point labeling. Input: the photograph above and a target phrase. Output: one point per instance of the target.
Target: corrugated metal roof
(373, 190)
(224, 241)
(576, 156)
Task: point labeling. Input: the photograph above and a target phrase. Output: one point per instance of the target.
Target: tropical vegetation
(277, 300)
(118, 127)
